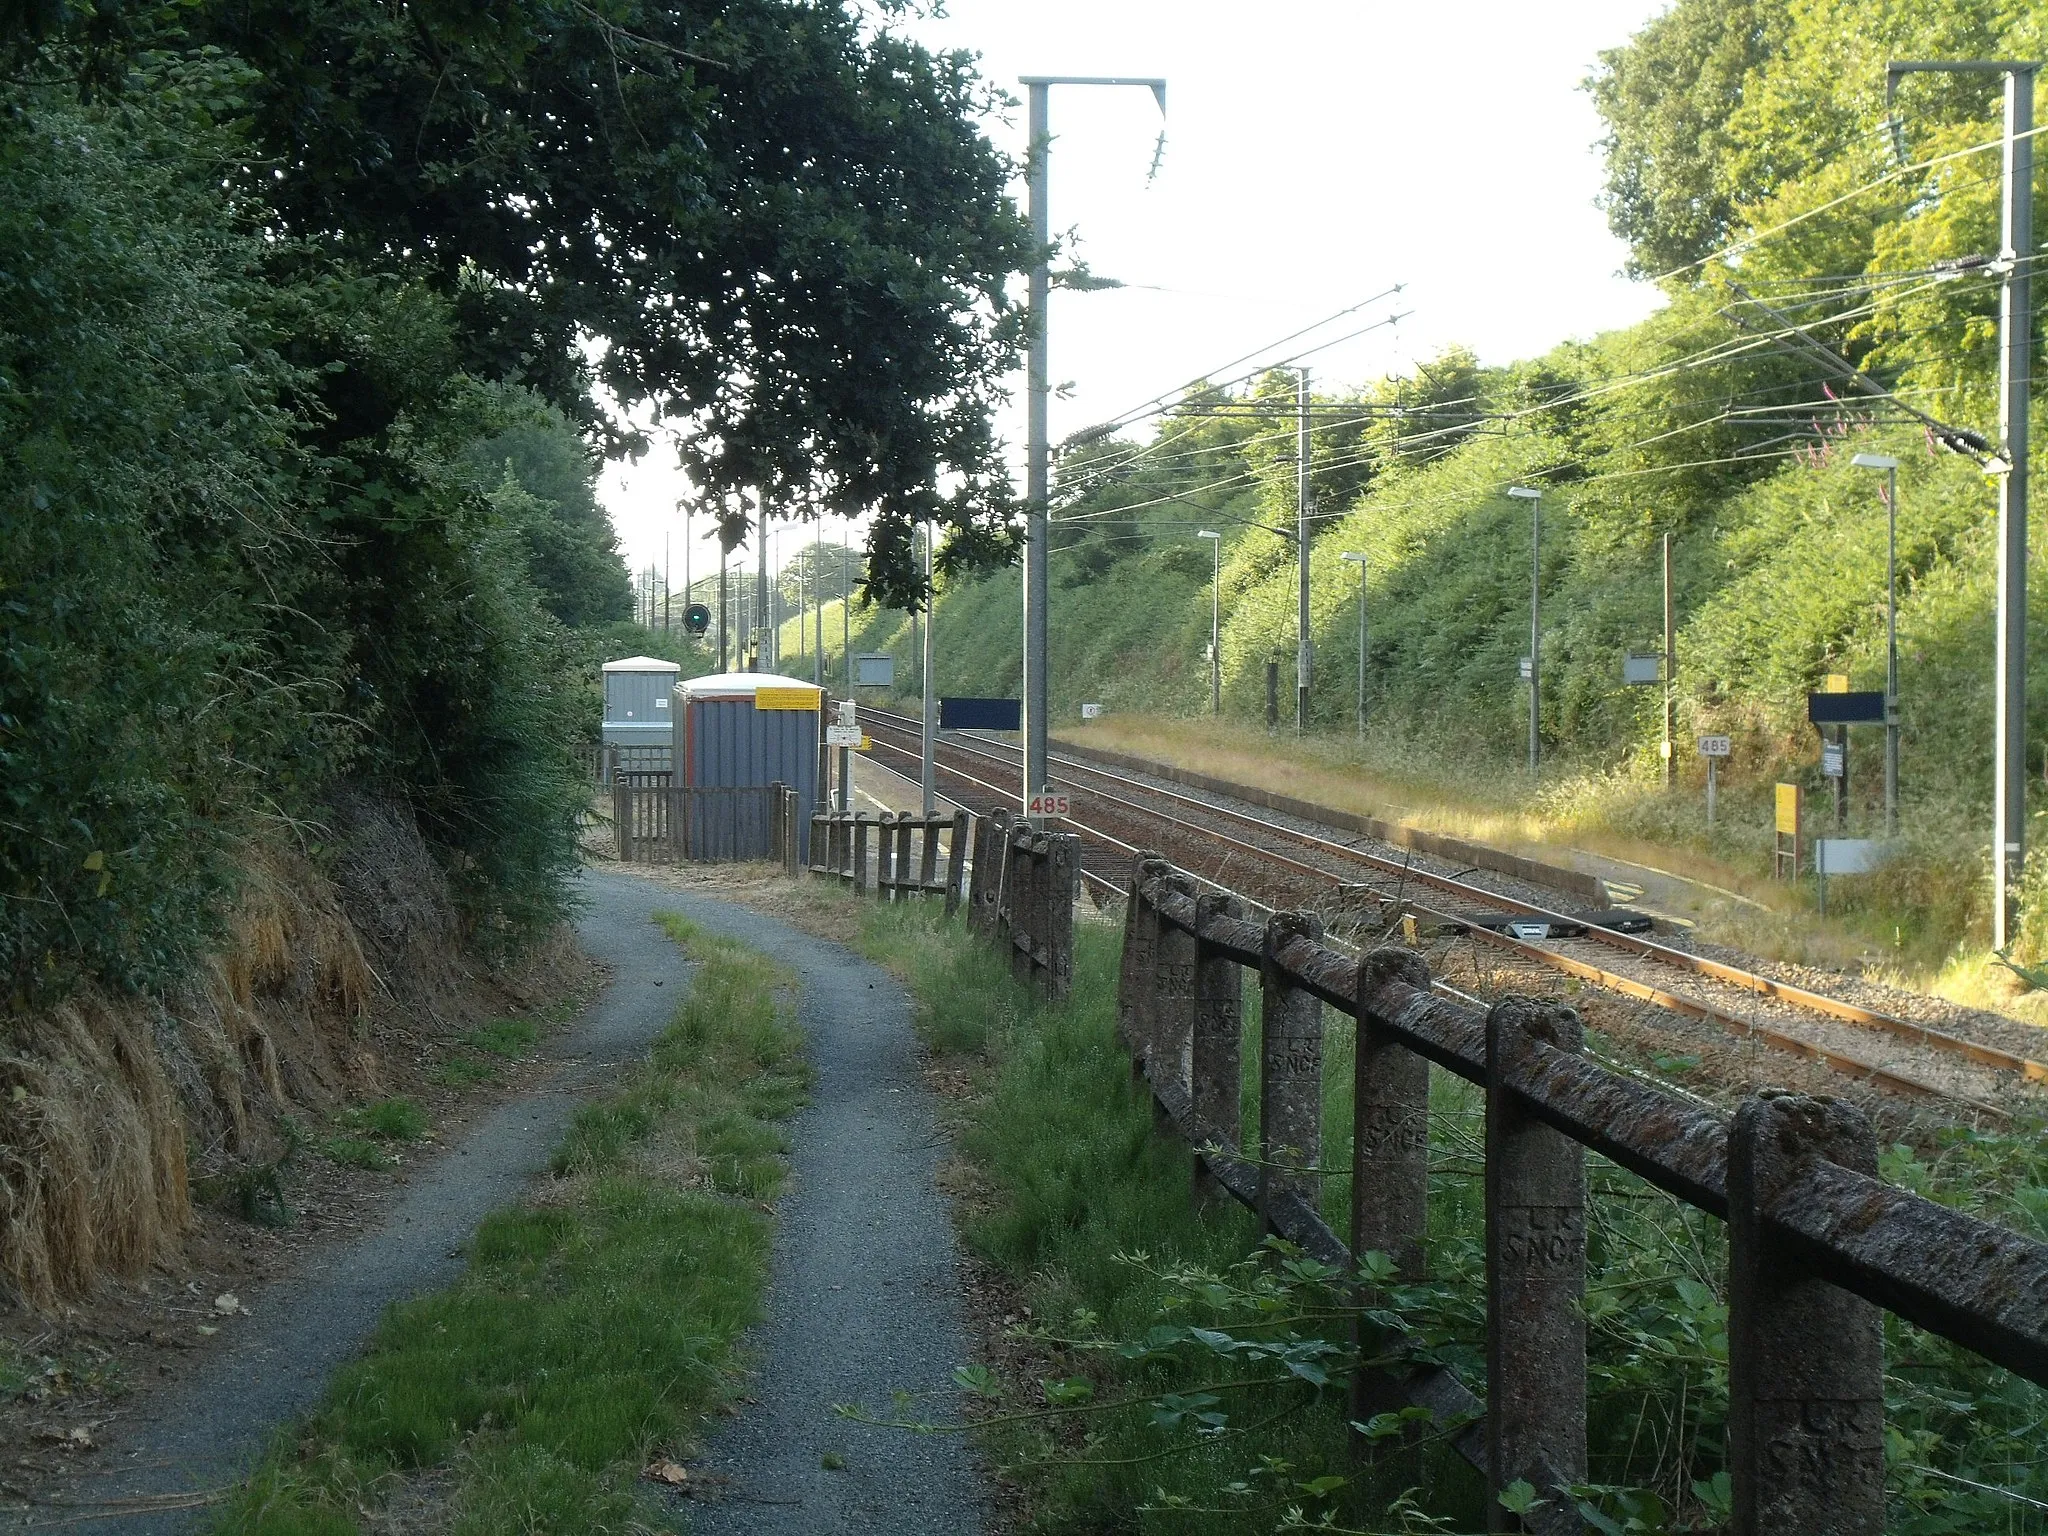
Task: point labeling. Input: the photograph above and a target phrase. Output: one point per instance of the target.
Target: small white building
(636, 730)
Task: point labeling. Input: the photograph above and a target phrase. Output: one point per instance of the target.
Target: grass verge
(597, 1323)
(1136, 1390)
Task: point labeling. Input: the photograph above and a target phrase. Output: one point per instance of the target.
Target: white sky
(1318, 151)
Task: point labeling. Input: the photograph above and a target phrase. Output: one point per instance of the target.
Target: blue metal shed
(750, 729)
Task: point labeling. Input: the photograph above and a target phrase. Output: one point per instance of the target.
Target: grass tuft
(596, 1325)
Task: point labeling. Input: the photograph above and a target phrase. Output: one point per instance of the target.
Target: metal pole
(1036, 476)
(2015, 381)
(1216, 627)
(689, 593)
(1670, 676)
(1302, 641)
(761, 642)
(846, 651)
(1891, 654)
(1361, 648)
(668, 595)
(724, 602)
(814, 579)
(2015, 348)
(931, 697)
(1712, 762)
(1535, 631)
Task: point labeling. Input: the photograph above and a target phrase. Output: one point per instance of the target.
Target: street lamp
(1535, 500)
(1359, 560)
(1215, 619)
(1038, 387)
(1890, 466)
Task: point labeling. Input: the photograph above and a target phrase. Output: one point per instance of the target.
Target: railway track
(1373, 887)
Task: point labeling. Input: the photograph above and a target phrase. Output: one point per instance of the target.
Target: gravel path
(213, 1425)
(865, 1299)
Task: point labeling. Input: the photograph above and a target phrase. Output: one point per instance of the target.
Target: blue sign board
(1845, 708)
(981, 714)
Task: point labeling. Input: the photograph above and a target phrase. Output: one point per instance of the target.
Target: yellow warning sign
(787, 698)
(1835, 682)
(1788, 809)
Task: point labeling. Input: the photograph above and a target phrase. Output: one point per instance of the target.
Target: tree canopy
(760, 218)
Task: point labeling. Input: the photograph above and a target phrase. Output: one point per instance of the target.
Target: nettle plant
(1237, 1392)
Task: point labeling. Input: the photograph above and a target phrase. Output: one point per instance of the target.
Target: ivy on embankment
(596, 1325)
(1167, 1372)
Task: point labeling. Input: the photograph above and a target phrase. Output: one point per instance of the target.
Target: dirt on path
(211, 1427)
(864, 1301)
(865, 1296)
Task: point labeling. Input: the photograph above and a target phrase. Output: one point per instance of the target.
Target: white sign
(874, 670)
(1046, 803)
(1636, 670)
(1091, 711)
(1831, 760)
(1526, 668)
(1847, 855)
(849, 712)
(842, 735)
(1714, 746)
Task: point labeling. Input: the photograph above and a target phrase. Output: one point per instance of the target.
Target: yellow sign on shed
(787, 698)
(1788, 810)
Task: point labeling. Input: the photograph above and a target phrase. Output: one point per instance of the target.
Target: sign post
(849, 720)
(1713, 749)
(1835, 705)
(1785, 833)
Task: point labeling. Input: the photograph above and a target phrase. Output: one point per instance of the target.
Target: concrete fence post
(1215, 1058)
(1140, 956)
(1390, 1125)
(956, 861)
(1805, 1358)
(1290, 1072)
(1170, 1012)
(1389, 1158)
(885, 856)
(859, 857)
(1057, 890)
(1016, 912)
(1035, 899)
(906, 868)
(1535, 1277)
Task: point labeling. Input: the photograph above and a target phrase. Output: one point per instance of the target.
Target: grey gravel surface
(864, 1301)
(215, 1423)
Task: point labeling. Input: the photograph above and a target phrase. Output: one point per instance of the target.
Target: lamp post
(2015, 390)
(1358, 559)
(1038, 388)
(1890, 466)
(1215, 619)
(1535, 500)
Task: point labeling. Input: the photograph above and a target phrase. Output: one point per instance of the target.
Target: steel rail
(1840, 1061)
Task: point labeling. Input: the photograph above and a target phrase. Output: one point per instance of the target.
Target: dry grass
(100, 1096)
